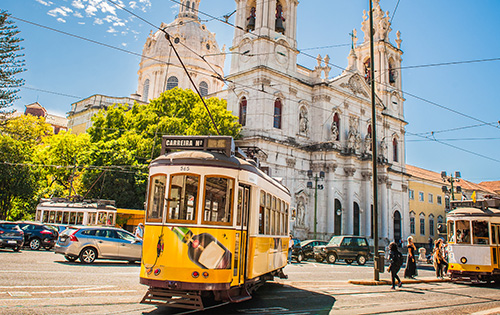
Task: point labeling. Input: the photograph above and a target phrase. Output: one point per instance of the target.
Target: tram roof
(475, 212)
(61, 203)
(213, 159)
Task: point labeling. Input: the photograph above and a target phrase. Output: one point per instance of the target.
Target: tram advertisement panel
(175, 252)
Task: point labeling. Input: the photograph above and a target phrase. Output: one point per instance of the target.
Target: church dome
(160, 69)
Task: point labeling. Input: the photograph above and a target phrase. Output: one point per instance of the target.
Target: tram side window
(463, 232)
(481, 235)
(156, 198)
(240, 206)
(262, 211)
(218, 200)
(183, 198)
(267, 226)
(451, 231)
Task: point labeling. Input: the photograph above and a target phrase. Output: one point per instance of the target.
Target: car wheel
(35, 244)
(331, 258)
(348, 261)
(17, 248)
(88, 255)
(318, 259)
(361, 260)
(70, 258)
(300, 257)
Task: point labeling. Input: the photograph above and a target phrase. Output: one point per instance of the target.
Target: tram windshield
(451, 232)
(463, 232)
(218, 200)
(183, 198)
(156, 198)
(481, 235)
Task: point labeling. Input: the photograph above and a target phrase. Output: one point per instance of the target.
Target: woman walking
(438, 259)
(411, 261)
(396, 259)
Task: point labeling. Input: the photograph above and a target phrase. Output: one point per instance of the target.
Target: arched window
(355, 228)
(392, 72)
(412, 223)
(243, 111)
(192, 7)
(277, 113)
(336, 127)
(203, 87)
(337, 229)
(172, 82)
(395, 149)
(422, 223)
(145, 91)
(187, 6)
(431, 225)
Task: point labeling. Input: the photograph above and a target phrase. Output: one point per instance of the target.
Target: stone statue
(368, 143)
(351, 141)
(303, 121)
(383, 148)
(301, 213)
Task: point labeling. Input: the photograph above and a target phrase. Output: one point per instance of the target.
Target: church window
(243, 111)
(395, 149)
(145, 91)
(277, 114)
(336, 127)
(177, 40)
(192, 7)
(392, 72)
(203, 88)
(412, 222)
(172, 82)
(188, 5)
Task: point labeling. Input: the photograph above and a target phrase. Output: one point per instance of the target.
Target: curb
(388, 282)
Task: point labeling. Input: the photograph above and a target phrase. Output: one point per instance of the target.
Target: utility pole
(376, 275)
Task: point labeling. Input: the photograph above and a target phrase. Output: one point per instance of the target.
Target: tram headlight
(463, 260)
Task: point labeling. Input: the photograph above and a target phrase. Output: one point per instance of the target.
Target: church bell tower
(265, 35)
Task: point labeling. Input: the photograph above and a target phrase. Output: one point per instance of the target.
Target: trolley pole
(377, 266)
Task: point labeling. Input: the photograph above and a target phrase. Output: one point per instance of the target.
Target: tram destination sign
(203, 143)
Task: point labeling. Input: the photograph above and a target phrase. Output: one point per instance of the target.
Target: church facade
(314, 132)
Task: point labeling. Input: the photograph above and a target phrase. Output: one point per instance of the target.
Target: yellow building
(429, 200)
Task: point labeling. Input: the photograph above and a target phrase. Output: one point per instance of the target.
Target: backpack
(398, 259)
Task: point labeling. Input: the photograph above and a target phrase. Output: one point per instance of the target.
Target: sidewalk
(405, 281)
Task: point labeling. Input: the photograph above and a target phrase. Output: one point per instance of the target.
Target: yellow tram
(216, 226)
(474, 240)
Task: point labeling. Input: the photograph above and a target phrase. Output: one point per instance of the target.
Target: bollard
(381, 258)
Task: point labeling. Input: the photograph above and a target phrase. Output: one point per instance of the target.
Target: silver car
(97, 242)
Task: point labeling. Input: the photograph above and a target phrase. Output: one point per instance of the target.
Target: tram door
(240, 265)
(495, 245)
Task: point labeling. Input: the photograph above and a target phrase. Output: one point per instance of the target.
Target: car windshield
(68, 231)
(9, 226)
(335, 240)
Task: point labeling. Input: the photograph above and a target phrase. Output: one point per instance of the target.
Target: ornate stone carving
(319, 98)
(290, 162)
(404, 187)
(335, 131)
(382, 179)
(301, 212)
(355, 85)
(366, 175)
(331, 167)
(349, 171)
(292, 91)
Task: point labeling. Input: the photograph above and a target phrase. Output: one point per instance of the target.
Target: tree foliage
(126, 140)
(11, 63)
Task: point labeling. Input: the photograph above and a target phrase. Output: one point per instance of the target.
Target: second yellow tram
(216, 225)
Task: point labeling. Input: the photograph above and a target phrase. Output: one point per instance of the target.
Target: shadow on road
(99, 263)
(272, 298)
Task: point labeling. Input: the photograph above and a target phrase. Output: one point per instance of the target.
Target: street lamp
(451, 179)
(315, 187)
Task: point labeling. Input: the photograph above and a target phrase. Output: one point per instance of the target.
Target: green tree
(11, 63)
(126, 140)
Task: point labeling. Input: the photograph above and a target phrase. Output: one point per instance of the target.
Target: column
(367, 198)
(348, 205)
(330, 196)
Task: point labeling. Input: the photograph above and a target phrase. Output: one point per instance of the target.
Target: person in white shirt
(139, 231)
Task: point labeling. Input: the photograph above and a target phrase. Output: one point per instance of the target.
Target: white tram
(474, 240)
(86, 212)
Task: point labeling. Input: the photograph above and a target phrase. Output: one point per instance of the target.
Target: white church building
(311, 131)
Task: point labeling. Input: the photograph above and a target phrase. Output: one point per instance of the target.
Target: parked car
(346, 247)
(38, 235)
(306, 249)
(89, 243)
(11, 235)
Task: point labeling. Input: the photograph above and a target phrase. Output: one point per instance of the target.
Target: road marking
(19, 294)
(263, 310)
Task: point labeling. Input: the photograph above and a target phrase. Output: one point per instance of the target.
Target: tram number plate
(184, 168)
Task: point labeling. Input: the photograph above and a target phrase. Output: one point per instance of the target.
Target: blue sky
(446, 99)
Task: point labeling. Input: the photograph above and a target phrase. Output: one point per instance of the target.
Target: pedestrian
(290, 247)
(430, 244)
(411, 260)
(139, 231)
(396, 260)
(438, 259)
